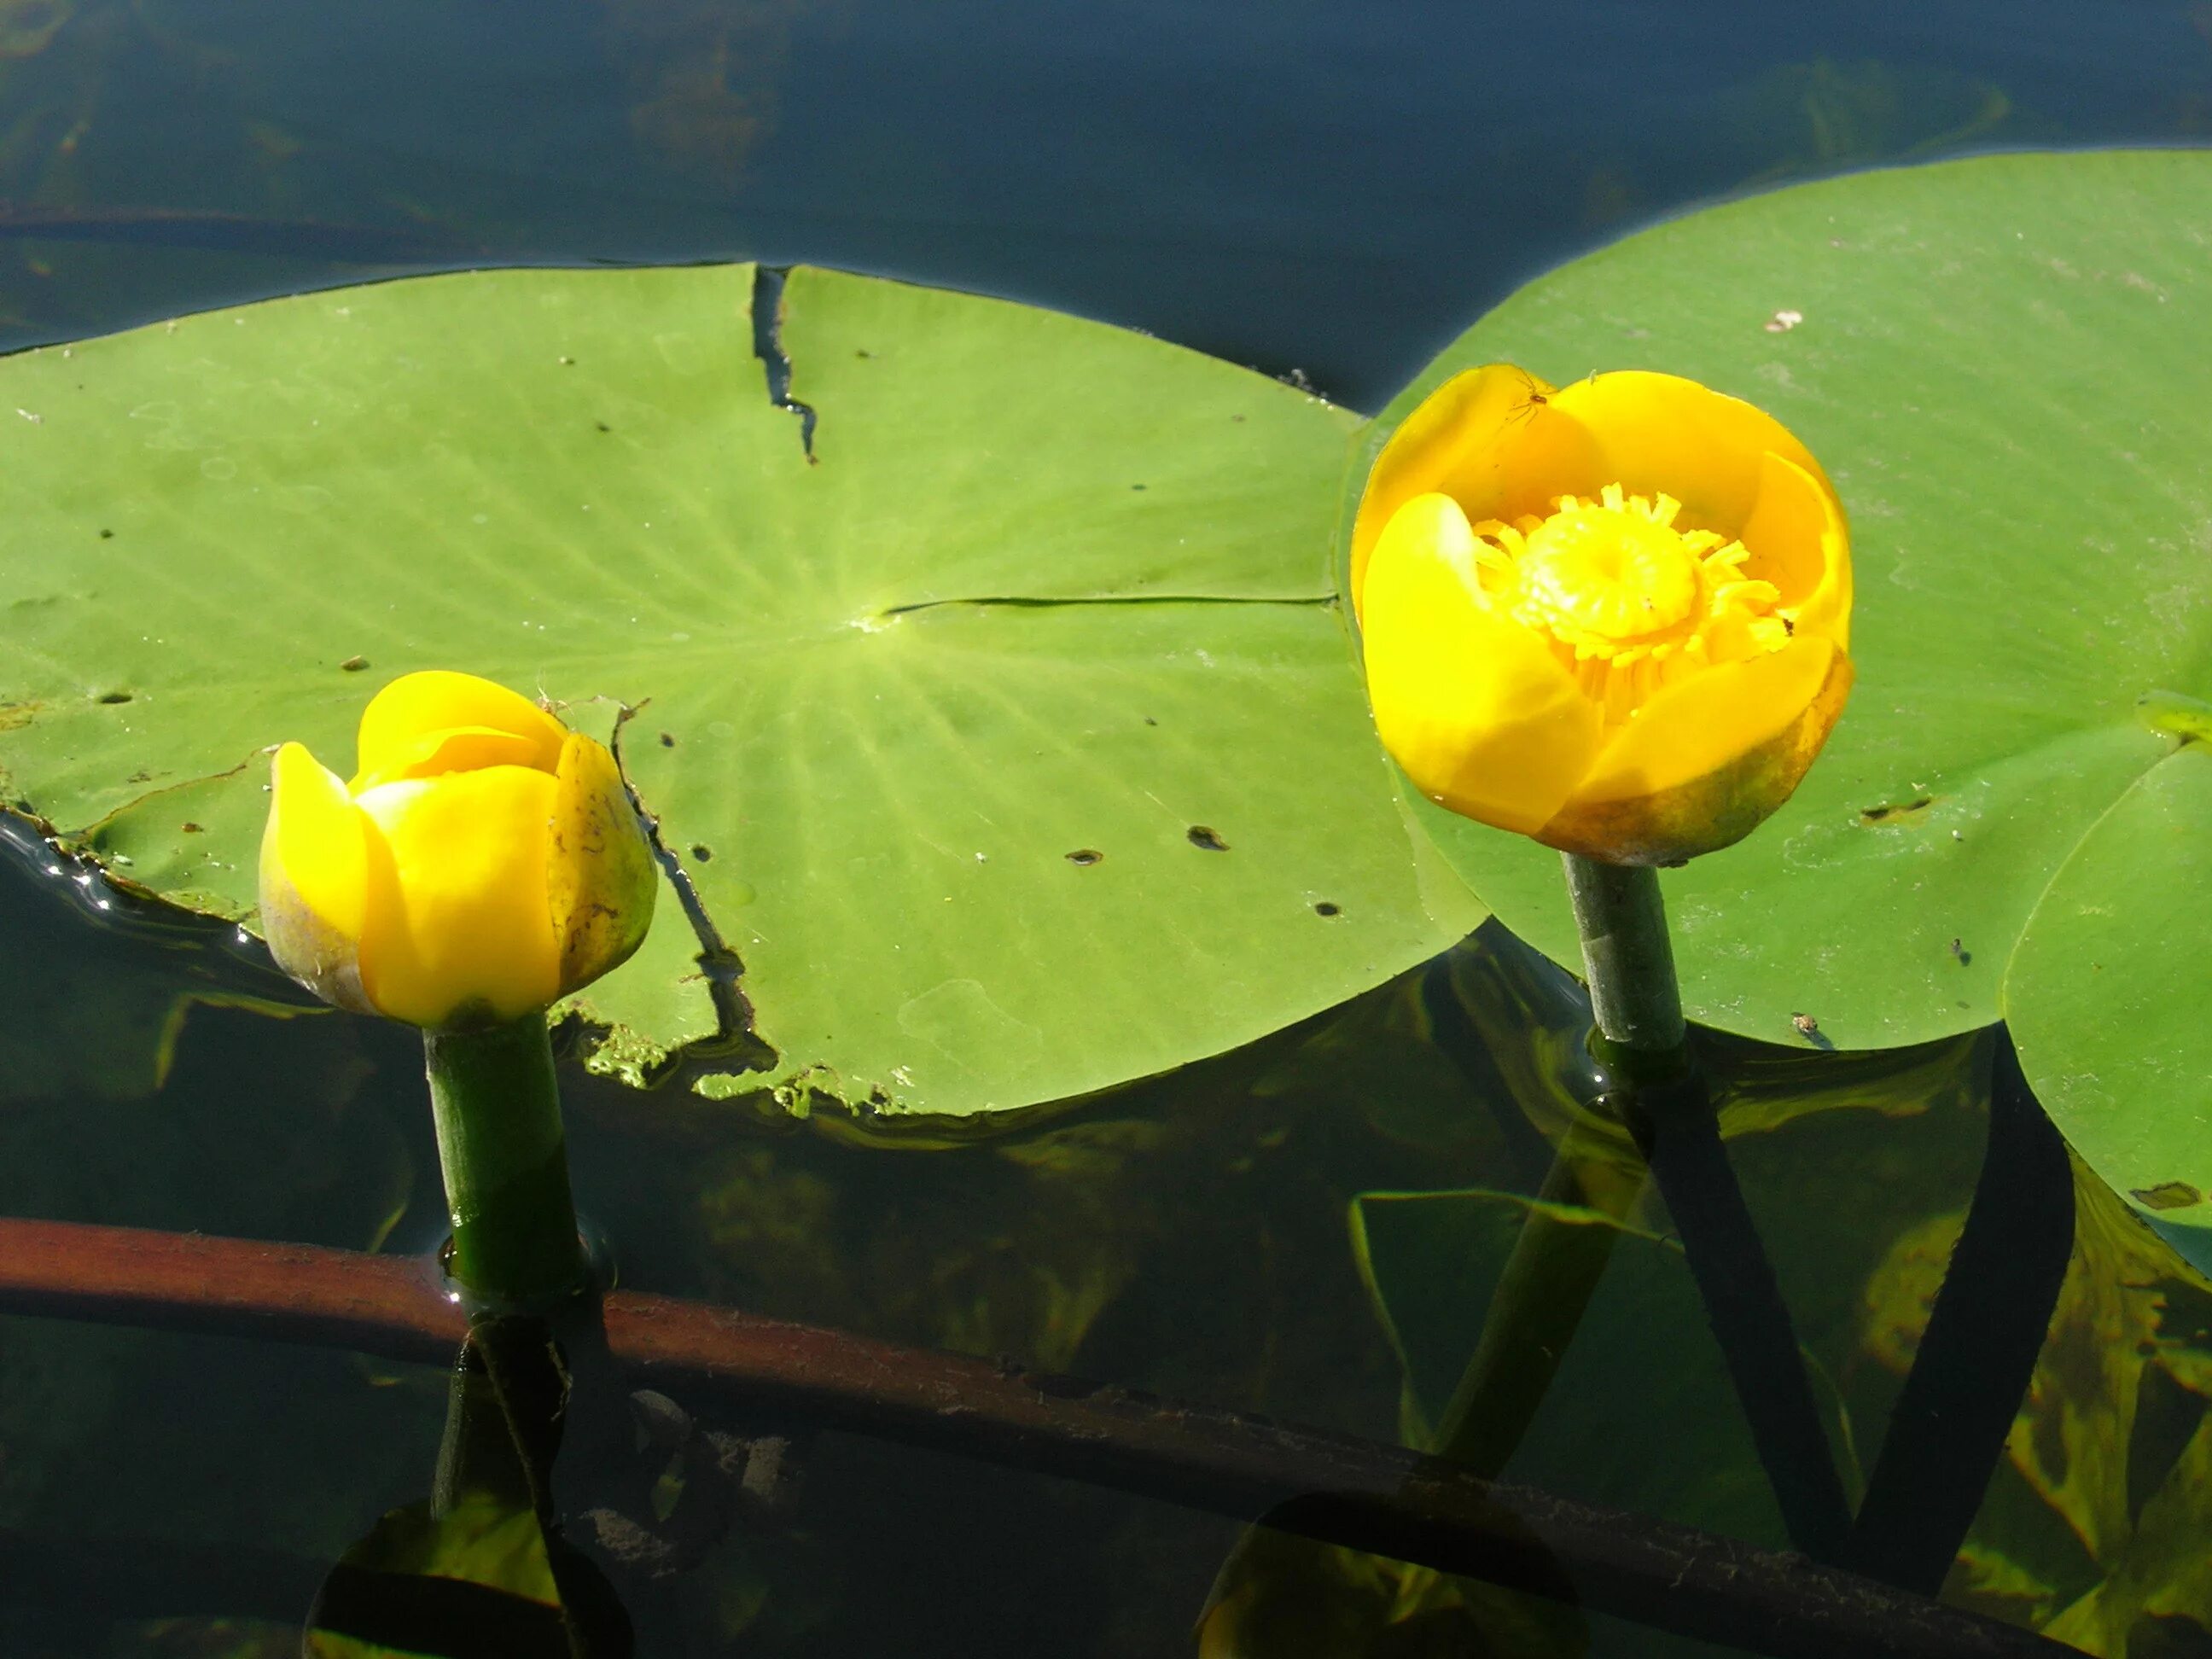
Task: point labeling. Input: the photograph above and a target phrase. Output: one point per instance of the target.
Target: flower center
(1615, 572)
(1629, 602)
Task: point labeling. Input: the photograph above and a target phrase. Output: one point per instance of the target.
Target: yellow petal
(1476, 708)
(1453, 444)
(1709, 757)
(459, 923)
(600, 877)
(1659, 433)
(315, 877)
(1798, 541)
(399, 729)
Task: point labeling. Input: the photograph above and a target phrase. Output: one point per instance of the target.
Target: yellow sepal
(440, 721)
(1654, 433)
(600, 876)
(315, 877)
(1704, 812)
(458, 918)
(1453, 444)
(1475, 707)
(1614, 617)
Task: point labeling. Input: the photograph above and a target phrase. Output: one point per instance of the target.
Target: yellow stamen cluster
(1630, 602)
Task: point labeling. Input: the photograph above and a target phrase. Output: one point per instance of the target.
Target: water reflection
(484, 1564)
(1187, 1235)
(1321, 186)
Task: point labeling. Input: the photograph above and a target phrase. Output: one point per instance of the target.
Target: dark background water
(1312, 184)
(1333, 189)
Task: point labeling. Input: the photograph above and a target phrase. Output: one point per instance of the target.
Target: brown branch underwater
(1333, 1487)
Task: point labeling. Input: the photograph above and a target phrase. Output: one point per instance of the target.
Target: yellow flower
(1614, 617)
(484, 861)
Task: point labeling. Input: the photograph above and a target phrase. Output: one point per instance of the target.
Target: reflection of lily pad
(1996, 360)
(1041, 587)
(480, 1566)
(1631, 1419)
(94, 1014)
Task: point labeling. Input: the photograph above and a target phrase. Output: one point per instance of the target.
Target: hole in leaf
(114, 697)
(702, 851)
(768, 346)
(2168, 1195)
(1325, 908)
(1890, 814)
(1085, 855)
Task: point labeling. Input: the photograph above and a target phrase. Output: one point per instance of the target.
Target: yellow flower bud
(484, 860)
(1614, 617)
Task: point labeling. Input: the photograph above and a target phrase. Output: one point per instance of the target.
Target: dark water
(1327, 187)
(1330, 188)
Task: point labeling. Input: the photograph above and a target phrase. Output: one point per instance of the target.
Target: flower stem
(1643, 1038)
(506, 1164)
(1629, 961)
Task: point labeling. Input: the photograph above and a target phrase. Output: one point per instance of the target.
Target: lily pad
(1996, 360)
(2104, 997)
(1006, 738)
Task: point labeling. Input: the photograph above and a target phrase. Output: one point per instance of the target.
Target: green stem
(1629, 961)
(506, 1164)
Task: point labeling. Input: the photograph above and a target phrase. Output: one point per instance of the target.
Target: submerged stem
(1641, 1036)
(506, 1164)
(1537, 1305)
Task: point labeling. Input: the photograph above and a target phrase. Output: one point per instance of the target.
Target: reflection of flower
(1614, 617)
(484, 860)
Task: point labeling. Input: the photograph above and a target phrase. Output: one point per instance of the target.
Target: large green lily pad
(2000, 362)
(2106, 995)
(1042, 588)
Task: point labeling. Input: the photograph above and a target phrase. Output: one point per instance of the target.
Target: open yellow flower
(484, 860)
(1614, 617)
